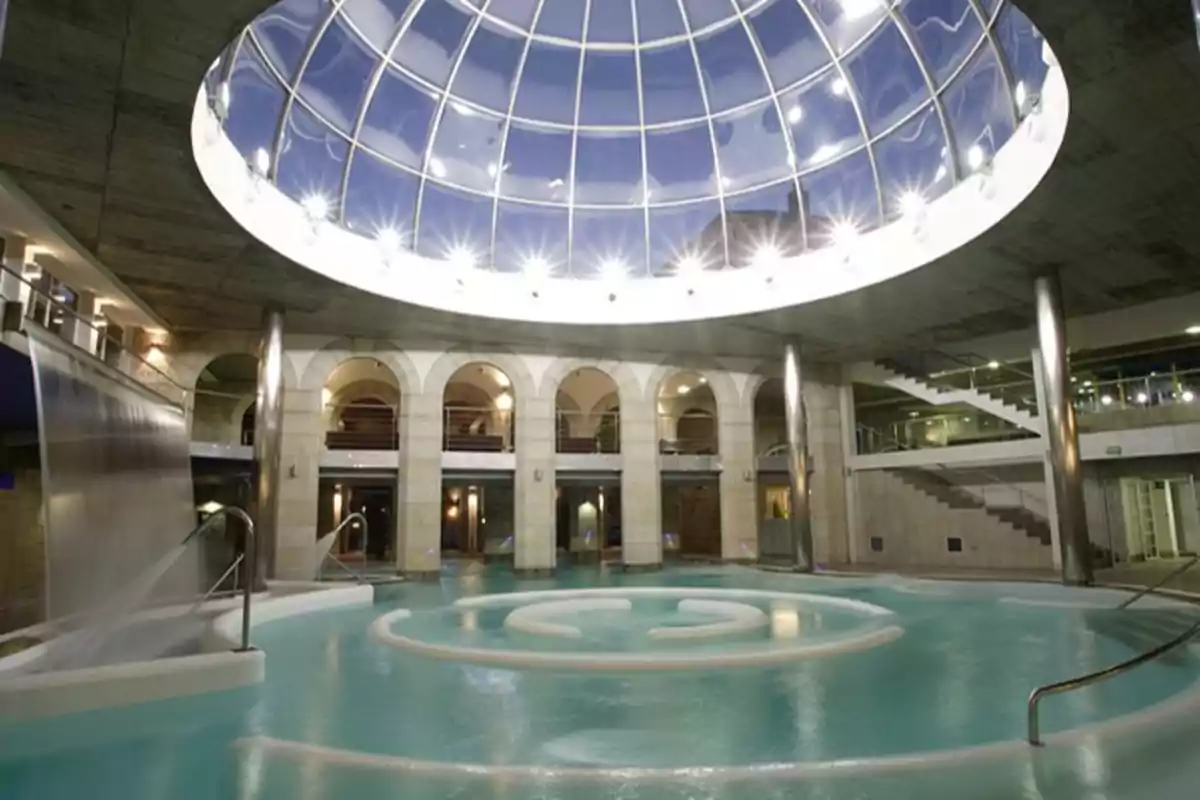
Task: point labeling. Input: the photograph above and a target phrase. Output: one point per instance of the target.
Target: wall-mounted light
(504, 402)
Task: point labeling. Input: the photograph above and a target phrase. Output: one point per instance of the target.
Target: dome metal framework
(593, 138)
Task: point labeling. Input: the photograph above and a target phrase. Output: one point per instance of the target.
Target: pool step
(1142, 630)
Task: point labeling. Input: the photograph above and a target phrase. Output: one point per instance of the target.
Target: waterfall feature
(117, 498)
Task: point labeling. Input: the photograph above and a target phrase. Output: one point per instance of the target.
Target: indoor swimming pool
(690, 683)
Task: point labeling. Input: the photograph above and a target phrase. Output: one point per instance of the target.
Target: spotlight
(684, 389)
(262, 162)
(613, 270)
(316, 206)
(844, 233)
(911, 203)
(461, 257)
(993, 365)
(1143, 398)
(976, 157)
(390, 241)
(1106, 400)
(536, 268)
(1188, 396)
(766, 255)
(1192, 330)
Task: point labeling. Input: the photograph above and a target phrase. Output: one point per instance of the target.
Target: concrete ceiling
(96, 96)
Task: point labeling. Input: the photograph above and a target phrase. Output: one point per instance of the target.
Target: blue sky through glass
(642, 135)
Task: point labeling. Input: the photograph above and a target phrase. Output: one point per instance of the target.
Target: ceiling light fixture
(536, 267)
(613, 270)
(461, 257)
(316, 206)
(976, 157)
(911, 203)
(504, 402)
(389, 240)
(766, 255)
(1188, 396)
(795, 114)
(689, 264)
(684, 389)
(1143, 398)
(993, 365)
(843, 233)
(839, 87)
(1106, 400)
(1192, 330)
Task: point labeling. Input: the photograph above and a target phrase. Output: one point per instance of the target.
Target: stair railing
(1035, 697)
(1179, 570)
(970, 362)
(1022, 496)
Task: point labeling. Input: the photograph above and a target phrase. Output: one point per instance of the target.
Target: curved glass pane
(429, 47)
(285, 29)
(311, 161)
(399, 118)
(888, 79)
(658, 135)
(537, 164)
(337, 75)
(914, 164)
(980, 109)
(946, 32)
(253, 86)
(380, 197)
(488, 67)
(526, 233)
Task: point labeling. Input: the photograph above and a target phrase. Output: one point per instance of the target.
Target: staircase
(889, 373)
(953, 496)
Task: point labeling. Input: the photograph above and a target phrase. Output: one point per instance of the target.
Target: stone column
(796, 434)
(534, 482)
(80, 330)
(268, 433)
(1061, 433)
(419, 487)
(641, 484)
(828, 484)
(13, 292)
(302, 443)
(739, 485)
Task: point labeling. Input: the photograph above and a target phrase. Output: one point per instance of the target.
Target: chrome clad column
(268, 432)
(800, 517)
(1063, 438)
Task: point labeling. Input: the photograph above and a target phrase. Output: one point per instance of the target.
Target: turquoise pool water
(343, 715)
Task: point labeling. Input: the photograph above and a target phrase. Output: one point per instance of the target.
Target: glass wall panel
(839, 195)
(252, 85)
(686, 237)
(336, 78)
(380, 196)
(311, 160)
(376, 20)
(284, 30)
(526, 232)
(791, 45)
(549, 83)
(429, 47)
(888, 79)
(467, 150)
(731, 69)
(913, 163)
(399, 118)
(751, 148)
(680, 163)
(671, 85)
(608, 169)
(455, 224)
(609, 90)
(488, 68)
(946, 33)
(608, 241)
(822, 118)
(980, 110)
(537, 164)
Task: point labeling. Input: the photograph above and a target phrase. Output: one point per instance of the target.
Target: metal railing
(1029, 502)
(102, 333)
(333, 536)
(476, 429)
(1035, 697)
(692, 434)
(1179, 570)
(248, 555)
(581, 433)
(1178, 387)
(361, 425)
(942, 430)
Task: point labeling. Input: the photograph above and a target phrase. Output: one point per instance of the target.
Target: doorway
(1162, 517)
(588, 518)
(478, 515)
(375, 500)
(691, 516)
(774, 520)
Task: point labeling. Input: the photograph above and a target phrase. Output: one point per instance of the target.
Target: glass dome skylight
(603, 139)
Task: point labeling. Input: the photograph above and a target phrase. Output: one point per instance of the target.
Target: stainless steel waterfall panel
(1063, 438)
(268, 435)
(116, 481)
(797, 457)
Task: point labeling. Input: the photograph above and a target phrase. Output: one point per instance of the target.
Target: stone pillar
(268, 433)
(301, 446)
(13, 292)
(828, 484)
(641, 484)
(419, 487)
(80, 330)
(534, 482)
(739, 486)
(1047, 465)
(797, 456)
(1061, 433)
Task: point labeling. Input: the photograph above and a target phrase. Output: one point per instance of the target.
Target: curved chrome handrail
(1170, 576)
(333, 534)
(249, 555)
(1037, 694)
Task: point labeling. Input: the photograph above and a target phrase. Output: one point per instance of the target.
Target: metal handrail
(1170, 576)
(993, 477)
(1037, 694)
(204, 599)
(248, 554)
(359, 578)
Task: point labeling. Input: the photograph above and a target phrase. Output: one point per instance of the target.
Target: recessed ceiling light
(613, 269)
(844, 232)
(975, 157)
(689, 264)
(316, 205)
(766, 255)
(461, 257)
(389, 239)
(536, 267)
(911, 203)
